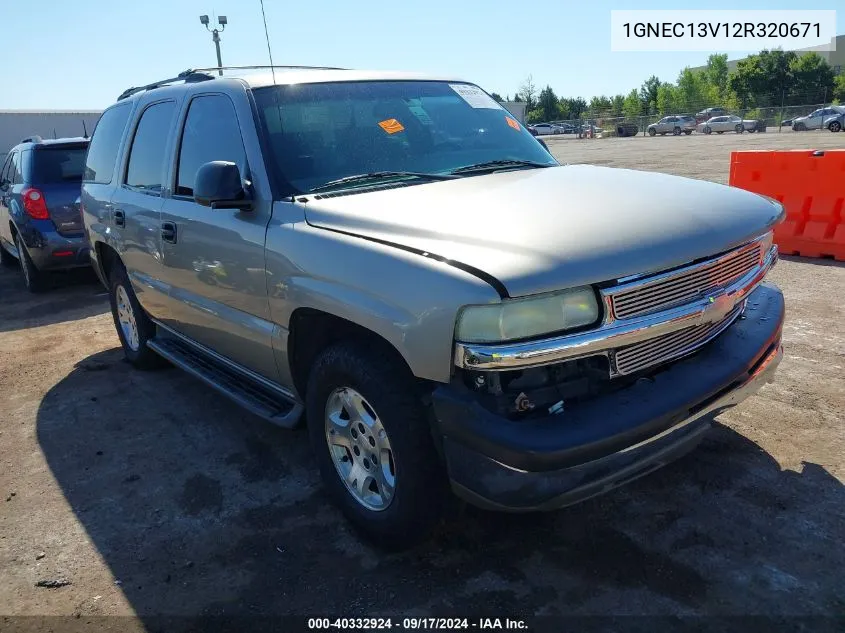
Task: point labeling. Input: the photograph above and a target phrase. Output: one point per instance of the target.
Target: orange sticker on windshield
(391, 126)
(512, 122)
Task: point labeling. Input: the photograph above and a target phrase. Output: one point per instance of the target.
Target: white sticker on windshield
(475, 96)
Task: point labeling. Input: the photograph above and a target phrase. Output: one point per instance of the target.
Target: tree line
(768, 79)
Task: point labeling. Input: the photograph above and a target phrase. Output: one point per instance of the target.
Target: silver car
(394, 260)
(674, 124)
(728, 123)
(823, 118)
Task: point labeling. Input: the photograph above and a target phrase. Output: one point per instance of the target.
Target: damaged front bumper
(596, 445)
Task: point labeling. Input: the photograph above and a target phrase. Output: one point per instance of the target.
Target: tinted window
(146, 158)
(15, 170)
(5, 169)
(324, 131)
(211, 133)
(58, 164)
(102, 152)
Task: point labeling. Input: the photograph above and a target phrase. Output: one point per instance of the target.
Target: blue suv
(40, 216)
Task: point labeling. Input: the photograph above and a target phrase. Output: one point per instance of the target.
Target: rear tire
(134, 327)
(739, 129)
(34, 279)
(835, 126)
(413, 487)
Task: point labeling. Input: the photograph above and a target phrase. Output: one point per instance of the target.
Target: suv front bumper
(594, 446)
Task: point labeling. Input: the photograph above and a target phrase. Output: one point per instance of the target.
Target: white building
(15, 125)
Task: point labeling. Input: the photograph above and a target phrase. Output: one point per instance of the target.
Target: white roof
(261, 78)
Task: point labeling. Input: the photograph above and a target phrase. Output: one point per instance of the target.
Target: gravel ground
(153, 496)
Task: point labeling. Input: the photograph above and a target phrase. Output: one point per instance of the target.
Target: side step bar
(261, 399)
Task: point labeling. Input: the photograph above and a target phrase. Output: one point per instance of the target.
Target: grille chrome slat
(634, 358)
(695, 281)
(672, 290)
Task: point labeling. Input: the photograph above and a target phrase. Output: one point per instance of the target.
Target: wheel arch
(311, 331)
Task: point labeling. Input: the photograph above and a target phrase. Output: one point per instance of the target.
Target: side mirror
(4, 185)
(219, 185)
(543, 143)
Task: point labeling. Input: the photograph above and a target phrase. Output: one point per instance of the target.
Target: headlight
(524, 318)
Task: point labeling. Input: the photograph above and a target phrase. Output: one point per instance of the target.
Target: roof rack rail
(187, 76)
(32, 139)
(214, 68)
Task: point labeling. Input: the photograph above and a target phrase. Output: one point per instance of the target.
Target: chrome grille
(634, 358)
(671, 290)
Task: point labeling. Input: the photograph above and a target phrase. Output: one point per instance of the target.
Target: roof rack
(214, 68)
(187, 76)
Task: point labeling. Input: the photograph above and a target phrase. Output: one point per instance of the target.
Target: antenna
(84, 129)
(54, 133)
(267, 37)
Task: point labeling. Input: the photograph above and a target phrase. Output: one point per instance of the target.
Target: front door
(214, 259)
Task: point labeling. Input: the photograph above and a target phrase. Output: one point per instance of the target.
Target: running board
(262, 400)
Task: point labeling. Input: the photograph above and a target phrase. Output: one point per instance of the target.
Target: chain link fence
(598, 124)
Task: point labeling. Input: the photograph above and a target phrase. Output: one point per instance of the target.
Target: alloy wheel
(360, 449)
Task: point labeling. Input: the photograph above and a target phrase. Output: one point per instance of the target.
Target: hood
(539, 230)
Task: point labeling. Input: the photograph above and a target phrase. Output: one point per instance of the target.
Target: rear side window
(102, 153)
(147, 156)
(211, 133)
(15, 175)
(52, 165)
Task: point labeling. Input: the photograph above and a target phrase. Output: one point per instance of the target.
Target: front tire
(707, 130)
(34, 279)
(739, 129)
(687, 132)
(134, 327)
(652, 131)
(676, 131)
(370, 434)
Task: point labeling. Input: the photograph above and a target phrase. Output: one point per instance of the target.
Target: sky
(80, 54)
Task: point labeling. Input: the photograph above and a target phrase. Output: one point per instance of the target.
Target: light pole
(215, 36)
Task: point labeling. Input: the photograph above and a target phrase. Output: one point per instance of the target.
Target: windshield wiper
(492, 165)
(378, 175)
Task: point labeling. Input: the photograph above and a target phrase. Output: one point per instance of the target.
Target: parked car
(40, 220)
(819, 119)
(543, 129)
(675, 124)
(835, 123)
(731, 123)
(709, 113)
(787, 122)
(461, 314)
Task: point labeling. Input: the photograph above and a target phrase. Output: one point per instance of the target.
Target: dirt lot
(153, 496)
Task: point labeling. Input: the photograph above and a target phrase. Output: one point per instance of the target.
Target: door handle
(168, 232)
(119, 217)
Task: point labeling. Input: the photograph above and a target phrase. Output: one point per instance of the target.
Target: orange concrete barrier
(811, 186)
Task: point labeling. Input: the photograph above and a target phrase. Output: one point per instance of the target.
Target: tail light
(34, 204)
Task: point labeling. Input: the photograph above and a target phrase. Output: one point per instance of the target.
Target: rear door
(57, 172)
(214, 259)
(136, 204)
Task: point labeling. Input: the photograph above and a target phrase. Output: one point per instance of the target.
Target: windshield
(56, 164)
(323, 132)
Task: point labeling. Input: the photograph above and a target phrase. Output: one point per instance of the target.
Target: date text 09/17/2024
(417, 624)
